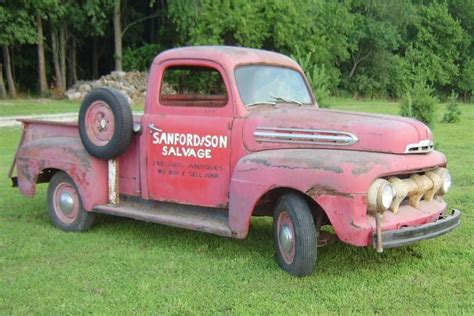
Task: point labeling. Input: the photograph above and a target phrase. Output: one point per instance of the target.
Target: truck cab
(229, 133)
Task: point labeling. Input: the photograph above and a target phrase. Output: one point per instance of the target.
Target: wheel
(65, 206)
(295, 235)
(105, 123)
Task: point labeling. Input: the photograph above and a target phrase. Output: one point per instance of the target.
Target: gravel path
(7, 121)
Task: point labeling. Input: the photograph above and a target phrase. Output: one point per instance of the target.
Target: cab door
(189, 129)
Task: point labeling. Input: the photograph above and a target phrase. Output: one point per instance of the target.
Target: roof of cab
(228, 56)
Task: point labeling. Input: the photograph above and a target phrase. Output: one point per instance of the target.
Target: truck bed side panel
(66, 154)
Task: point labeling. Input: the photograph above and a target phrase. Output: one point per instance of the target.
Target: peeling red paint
(236, 176)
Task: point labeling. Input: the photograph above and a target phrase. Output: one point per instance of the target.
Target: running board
(205, 219)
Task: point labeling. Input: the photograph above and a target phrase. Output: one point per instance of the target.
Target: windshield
(262, 84)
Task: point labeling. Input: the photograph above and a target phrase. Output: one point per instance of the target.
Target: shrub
(453, 113)
(140, 58)
(419, 103)
(317, 76)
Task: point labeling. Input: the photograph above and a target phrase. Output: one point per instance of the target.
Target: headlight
(446, 178)
(380, 196)
(387, 196)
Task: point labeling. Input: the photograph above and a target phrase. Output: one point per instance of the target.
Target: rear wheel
(295, 235)
(65, 206)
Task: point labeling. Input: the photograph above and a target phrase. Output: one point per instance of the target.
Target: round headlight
(380, 196)
(387, 194)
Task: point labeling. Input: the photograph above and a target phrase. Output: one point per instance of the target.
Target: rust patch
(318, 191)
(363, 168)
(309, 165)
(354, 225)
(249, 169)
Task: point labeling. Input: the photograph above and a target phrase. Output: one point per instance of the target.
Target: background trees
(365, 48)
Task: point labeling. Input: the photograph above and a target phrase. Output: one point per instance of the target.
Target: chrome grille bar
(304, 136)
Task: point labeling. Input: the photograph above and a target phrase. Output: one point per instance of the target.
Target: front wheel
(65, 206)
(295, 235)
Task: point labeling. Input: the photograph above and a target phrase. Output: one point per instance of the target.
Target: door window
(193, 86)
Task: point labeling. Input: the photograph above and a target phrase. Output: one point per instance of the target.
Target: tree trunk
(57, 67)
(95, 59)
(3, 92)
(74, 61)
(118, 36)
(71, 61)
(41, 60)
(8, 70)
(62, 52)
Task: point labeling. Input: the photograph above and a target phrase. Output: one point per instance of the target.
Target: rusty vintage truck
(229, 133)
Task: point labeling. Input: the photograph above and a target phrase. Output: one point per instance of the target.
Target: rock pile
(131, 84)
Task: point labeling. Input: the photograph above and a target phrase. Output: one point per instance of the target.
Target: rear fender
(66, 154)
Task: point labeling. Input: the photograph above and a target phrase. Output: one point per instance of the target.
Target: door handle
(154, 128)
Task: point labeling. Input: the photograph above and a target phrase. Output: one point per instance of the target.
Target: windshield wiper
(281, 99)
(260, 102)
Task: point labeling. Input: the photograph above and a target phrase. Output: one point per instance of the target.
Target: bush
(419, 103)
(453, 113)
(140, 58)
(320, 84)
(317, 76)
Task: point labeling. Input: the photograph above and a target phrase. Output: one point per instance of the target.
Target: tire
(105, 123)
(295, 235)
(65, 205)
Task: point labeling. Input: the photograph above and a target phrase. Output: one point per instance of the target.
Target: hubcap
(286, 238)
(100, 123)
(66, 202)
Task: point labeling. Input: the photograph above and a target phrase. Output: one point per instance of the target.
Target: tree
(434, 49)
(43, 82)
(118, 36)
(3, 92)
(119, 32)
(285, 26)
(375, 64)
(16, 27)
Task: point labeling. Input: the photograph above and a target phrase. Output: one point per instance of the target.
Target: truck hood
(299, 127)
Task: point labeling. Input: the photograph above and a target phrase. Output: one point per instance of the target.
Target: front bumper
(409, 235)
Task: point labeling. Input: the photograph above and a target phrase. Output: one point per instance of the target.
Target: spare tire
(105, 123)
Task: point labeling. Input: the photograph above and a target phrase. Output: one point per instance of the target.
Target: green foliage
(140, 58)
(435, 48)
(419, 103)
(366, 48)
(317, 77)
(453, 113)
(16, 24)
(375, 67)
(284, 26)
(466, 83)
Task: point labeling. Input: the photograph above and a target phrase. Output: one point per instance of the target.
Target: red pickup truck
(229, 133)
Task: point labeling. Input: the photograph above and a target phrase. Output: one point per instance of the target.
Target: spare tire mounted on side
(105, 123)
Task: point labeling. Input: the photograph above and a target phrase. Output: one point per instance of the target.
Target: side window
(193, 86)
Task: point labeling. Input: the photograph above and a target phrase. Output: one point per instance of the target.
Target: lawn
(126, 266)
(43, 106)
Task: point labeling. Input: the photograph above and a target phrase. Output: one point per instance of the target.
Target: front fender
(337, 180)
(66, 154)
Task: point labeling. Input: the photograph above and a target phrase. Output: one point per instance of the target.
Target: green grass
(124, 266)
(43, 106)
